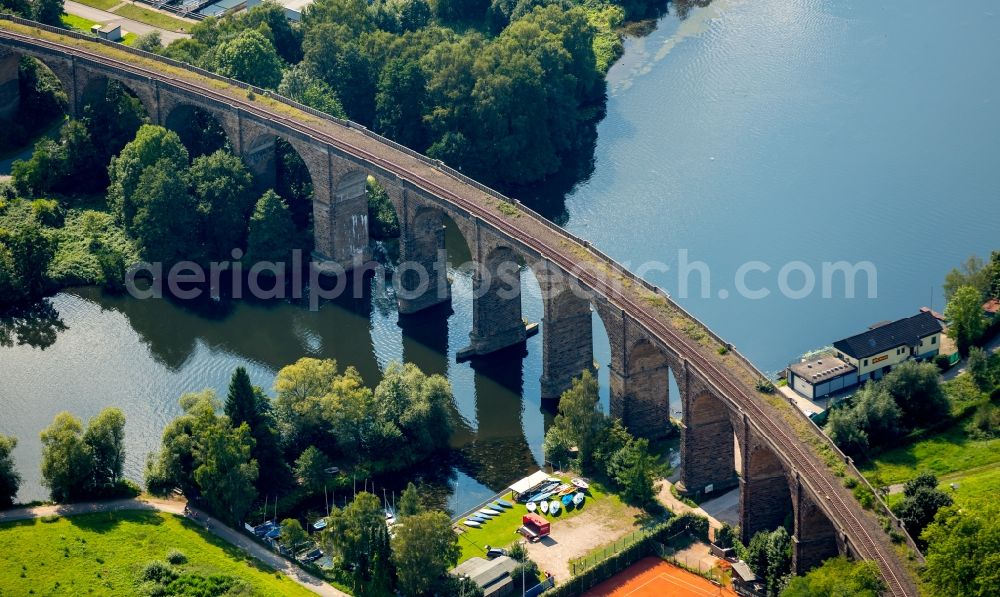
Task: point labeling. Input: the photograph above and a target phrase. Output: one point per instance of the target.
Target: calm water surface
(772, 130)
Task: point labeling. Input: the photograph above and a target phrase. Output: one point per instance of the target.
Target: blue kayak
(478, 518)
(567, 499)
(505, 503)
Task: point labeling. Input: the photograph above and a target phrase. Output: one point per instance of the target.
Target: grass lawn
(78, 23)
(501, 530)
(977, 485)
(103, 554)
(151, 17)
(101, 4)
(945, 453)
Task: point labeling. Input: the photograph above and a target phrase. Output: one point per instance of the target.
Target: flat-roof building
(493, 576)
(821, 376)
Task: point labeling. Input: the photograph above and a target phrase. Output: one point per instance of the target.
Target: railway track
(814, 474)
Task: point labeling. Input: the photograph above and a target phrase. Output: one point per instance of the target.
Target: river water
(777, 131)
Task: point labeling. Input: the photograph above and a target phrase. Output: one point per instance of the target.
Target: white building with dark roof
(868, 355)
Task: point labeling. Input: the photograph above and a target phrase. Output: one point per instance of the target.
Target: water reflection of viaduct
(780, 475)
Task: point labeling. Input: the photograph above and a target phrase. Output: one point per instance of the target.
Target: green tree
(226, 472)
(166, 221)
(580, 419)
(418, 405)
(399, 102)
(151, 145)
(223, 187)
(922, 500)
(459, 10)
(105, 436)
(994, 275)
(838, 577)
(84, 169)
(846, 430)
(67, 460)
(10, 480)
(292, 534)
(769, 556)
(979, 369)
(635, 470)
(414, 14)
(48, 11)
(299, 388)
(878, 415)
(726, 536)
(381, 213)
(916, 388)
(355, 534)
(962, 555)
(974, 272)
(271, 234)
(42, 171)
(310, 468)
(299, 84)
(270, 19)
(113, 119)
(241, 401)
(149, 42)
(173, 466)
(31, 252)
(333, 52)
(409, 501)
(249, 57)
(11, 289)
(423, 550)
(964, 312)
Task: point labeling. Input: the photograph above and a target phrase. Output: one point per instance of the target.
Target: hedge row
(691, 523)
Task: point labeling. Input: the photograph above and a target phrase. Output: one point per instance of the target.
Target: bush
(176, 557)
(47, 212)
(943, 362)
(764, 386)
(864, 496)
(726, 536)
(158, 572)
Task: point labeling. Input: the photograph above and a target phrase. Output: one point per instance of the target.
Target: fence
(588, 561)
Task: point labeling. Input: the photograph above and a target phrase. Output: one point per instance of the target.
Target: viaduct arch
(649, 335)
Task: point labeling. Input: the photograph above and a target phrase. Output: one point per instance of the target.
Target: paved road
(177, 507)
(101, 16)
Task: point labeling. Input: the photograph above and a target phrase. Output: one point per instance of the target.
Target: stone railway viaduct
(780, 474)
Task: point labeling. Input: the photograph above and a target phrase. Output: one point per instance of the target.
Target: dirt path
(217, 528)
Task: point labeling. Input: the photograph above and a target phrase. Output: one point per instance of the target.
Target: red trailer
(534, 527)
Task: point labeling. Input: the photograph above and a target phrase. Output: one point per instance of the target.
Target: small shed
(745, 582)
(493, 576)
(527, 483)
(109, 31)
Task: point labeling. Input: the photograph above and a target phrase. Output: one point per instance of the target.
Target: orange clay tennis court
(652, 577)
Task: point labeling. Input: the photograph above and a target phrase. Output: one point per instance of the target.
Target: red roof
(992, 306)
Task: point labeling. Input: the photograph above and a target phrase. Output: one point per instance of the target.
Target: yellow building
(875, 352)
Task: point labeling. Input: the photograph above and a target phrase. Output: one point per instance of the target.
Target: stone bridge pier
(708, 453)
(815, 538)
(567, 330)
(639, 375)
(496, 287)
(422, 280)
(773, 494)
(10, 90)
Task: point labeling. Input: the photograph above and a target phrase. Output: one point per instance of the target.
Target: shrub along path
(216, 527)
